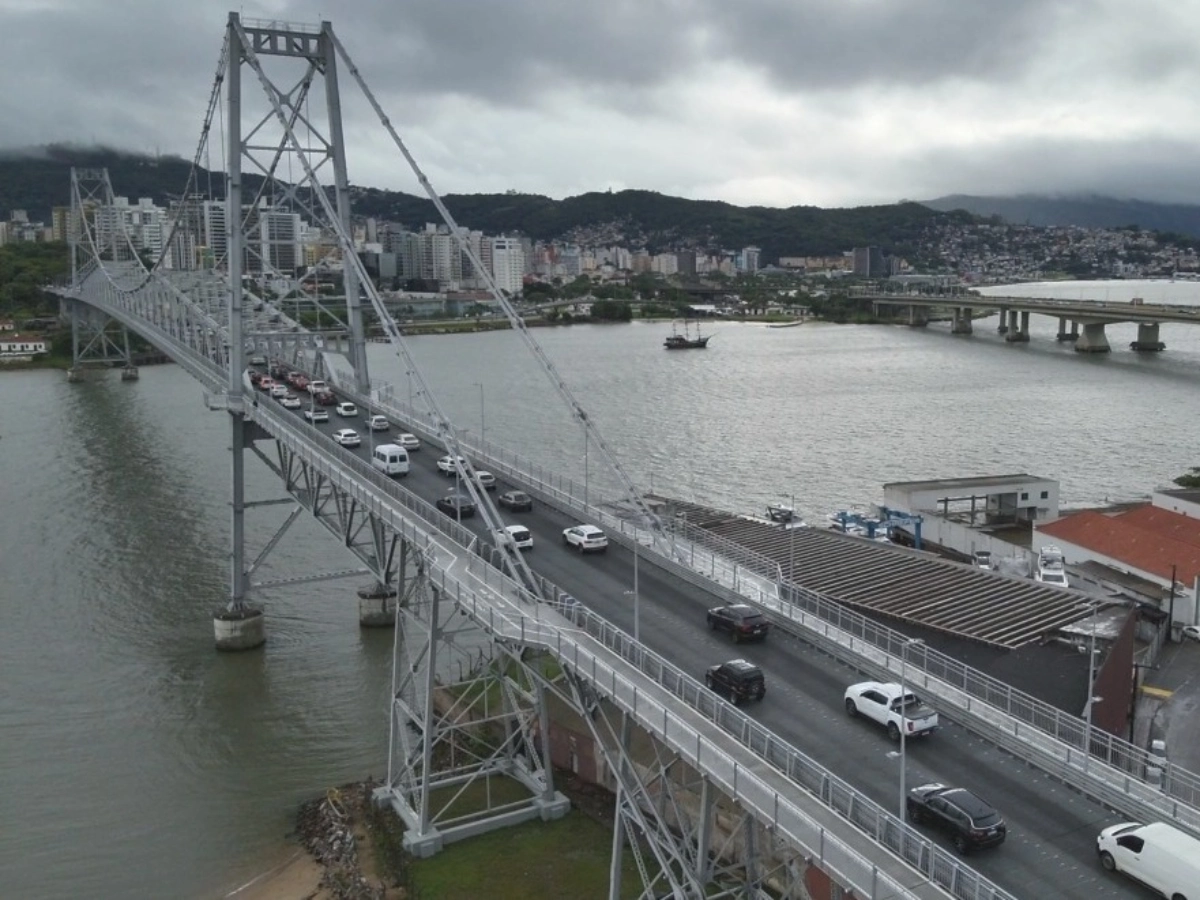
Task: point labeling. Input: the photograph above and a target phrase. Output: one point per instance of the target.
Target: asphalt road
(1050, 850)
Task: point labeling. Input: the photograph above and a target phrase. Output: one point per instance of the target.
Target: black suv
(738, 680)
(971, 822)
(741, 620)
(456, 506)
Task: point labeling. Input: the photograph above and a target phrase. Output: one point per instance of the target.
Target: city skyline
(759, 103)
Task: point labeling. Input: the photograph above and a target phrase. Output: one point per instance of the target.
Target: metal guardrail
(502, 612)
(1114, 770)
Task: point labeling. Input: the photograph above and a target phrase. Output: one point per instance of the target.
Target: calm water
(138, 762)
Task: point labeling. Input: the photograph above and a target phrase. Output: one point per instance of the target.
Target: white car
(347, 410)
(378, 423)
(446, 465)
(290, 401)
(315, 387)
(1191, 632)
(485, 480)
(316, 414)
(279, 390)
(881, 702)
(585, 538)
(409, 442)
(517, 535)
(347, 437)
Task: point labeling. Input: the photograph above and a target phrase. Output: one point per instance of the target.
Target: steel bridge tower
(240, 624)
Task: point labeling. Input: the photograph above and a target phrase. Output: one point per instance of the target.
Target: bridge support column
(1063, 334)
(377, 606)
(239, 629)
(917, 317)
(962, 320)
(1002, 328)
(1093, 339)
(1018, 327)
(1147, 339)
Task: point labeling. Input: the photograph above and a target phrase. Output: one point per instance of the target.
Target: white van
(390, 459)
(1158, 855)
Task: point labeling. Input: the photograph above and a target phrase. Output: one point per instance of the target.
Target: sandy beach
(297, 878)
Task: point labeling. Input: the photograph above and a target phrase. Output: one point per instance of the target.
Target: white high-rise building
(508, 264)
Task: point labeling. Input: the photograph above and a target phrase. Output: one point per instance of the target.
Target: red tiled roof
(1147, 537)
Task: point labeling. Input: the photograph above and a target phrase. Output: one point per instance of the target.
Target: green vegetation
(534, 861)
(25, 268)
(1191, 480)
(37, 183)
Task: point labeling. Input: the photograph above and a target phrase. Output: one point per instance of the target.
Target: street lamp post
(637, 601)
(1091, 680)
(904, 721)
(792, 549)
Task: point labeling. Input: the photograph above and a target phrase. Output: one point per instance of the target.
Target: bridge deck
(902, 584)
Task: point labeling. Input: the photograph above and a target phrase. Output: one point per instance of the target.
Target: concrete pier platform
(242, 629)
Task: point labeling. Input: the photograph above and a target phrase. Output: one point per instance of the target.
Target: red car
(298, 381)
(325, 398)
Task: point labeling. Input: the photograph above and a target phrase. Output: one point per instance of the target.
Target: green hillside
(37, 180)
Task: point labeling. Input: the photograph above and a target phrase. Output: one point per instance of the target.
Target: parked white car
(585, 538)
(347, 437)
(1191, 632)
(880, 702)
(378, 423)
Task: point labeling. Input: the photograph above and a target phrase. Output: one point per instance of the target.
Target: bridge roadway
(1051, 845)
(1078, 310)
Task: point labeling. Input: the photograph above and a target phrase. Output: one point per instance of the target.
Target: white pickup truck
(880, 702)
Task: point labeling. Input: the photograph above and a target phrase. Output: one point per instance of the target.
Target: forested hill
(40, 179)
(1086, 211)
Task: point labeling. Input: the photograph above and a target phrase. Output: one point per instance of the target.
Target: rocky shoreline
(355, 845)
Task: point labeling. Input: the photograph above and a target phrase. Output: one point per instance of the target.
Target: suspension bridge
(491, 656)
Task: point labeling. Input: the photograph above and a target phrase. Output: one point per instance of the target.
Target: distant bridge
(1081, 322)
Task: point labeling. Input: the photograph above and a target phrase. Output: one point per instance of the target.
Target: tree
(1191, 480)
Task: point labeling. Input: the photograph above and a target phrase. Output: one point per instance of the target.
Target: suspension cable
(648, 516)
(510, 555)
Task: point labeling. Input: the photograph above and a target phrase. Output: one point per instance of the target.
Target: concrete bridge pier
(243, 628)
(1093, 339)
(1063, 334)
(377, 606)
(962, 320)
(1002, 328)
(1018, 327)
(917, 317)
(1147, 339)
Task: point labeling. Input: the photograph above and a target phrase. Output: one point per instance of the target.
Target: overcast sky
(772, 102)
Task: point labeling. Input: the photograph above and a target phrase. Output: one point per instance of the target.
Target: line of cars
(971, 822)
(1157, 854)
